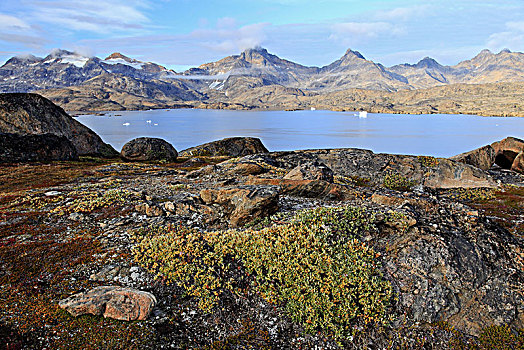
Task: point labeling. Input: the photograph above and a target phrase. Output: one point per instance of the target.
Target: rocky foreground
(326, 248)
(229, 246)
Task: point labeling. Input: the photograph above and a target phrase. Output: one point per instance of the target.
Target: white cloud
(351, 33)
(9, 22)
(228, 38)
(402, 13)
(100, 16)
(369, 29)
(512, 38)
(518, 26)
(17, 31)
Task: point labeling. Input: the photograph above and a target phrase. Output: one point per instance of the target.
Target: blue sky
(184, 33)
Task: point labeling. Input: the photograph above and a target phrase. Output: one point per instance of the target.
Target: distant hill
(254, 78)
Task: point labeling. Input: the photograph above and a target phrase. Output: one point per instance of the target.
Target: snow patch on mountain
(135, 64)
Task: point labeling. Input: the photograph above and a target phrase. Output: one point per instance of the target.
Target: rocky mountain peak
(255, 54)
(118, 55)
(22, 60)
(505, 50)
(59, 53)
(484, 54)
(428, 62)
(353, 54)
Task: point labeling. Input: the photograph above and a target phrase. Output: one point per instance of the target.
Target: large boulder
(518, 163)
(232, 147)
(243, 204)
(148, 148)
(31, 114)
(455, 267)
(35, 148)
(506, 152)
(482, 158)
(126, 304)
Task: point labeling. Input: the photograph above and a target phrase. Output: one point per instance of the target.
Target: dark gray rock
(31, 114)
(35, 148)
(148, 148)
(232, 147)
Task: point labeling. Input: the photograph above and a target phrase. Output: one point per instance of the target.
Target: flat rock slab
(243, 204)
(126, 304)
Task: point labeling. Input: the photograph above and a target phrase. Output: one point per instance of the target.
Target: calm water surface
(437, 134)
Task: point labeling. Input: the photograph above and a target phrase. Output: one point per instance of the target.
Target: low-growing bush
(428, 161)
(313, 267)
(89, 201)
(398, 182)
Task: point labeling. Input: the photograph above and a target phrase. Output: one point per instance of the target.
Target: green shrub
(501, 338)
(398, 182)
(312, 266)
(473, 194)
(428, 161)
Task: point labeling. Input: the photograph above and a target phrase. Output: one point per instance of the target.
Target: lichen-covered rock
(310, 171)
(149, 148)
(31, 114)
(305, 188)
(126, 304)
(30, 148)
(450, 265)
(425, 171)
(243, 204)
(232, 146)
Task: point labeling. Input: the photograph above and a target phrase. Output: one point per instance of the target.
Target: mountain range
(254, 78)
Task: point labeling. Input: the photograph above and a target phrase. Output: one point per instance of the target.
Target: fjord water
(435, 134)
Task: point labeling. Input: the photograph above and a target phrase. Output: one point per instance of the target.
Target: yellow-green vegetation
(428, 161)
(34, 201)
(473, 194)
(313, 266)
(501, 338)
(398, 219)
(89, 201)
(398, 182)
(352, 180)
(179, 187)
(490, 338)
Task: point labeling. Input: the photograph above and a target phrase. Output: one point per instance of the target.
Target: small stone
(76, 217)
(170, 207)
(153, 210)
(52, 193)
(126, 304)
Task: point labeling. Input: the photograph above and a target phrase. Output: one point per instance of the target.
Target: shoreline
(76, 113)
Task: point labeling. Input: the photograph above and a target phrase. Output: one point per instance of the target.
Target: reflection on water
(438, 135)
